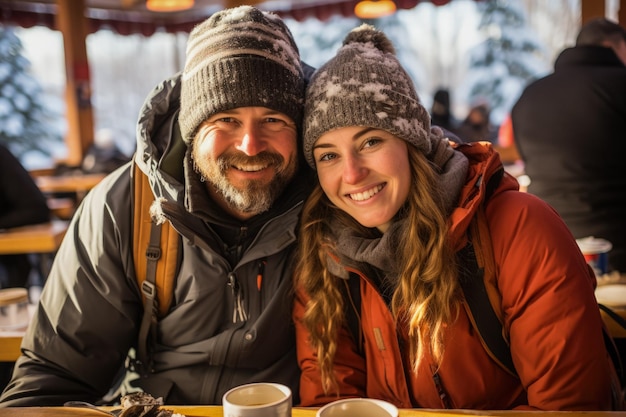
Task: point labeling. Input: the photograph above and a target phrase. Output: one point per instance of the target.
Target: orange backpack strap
(155, 254)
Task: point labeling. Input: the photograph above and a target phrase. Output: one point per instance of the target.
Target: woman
(380, 242)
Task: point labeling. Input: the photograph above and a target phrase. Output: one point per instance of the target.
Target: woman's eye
(326, 157)
(369, 142)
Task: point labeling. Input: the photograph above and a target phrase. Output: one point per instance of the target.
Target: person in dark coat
(477, 125)
(570, 129)
(21, 203)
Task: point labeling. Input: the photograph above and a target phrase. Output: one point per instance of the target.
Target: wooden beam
(621, 14)
(234, 3)
(591, 9)
(72, 23)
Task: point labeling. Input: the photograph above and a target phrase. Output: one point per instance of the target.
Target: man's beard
(254, 196)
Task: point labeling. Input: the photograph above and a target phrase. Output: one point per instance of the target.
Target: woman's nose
(354, 170)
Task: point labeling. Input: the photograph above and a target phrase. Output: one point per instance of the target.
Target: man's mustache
(237, 159)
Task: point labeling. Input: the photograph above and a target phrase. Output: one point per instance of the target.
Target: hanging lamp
(169, 5)
(372, 9)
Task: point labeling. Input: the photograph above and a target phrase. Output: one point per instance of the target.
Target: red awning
(26, 14)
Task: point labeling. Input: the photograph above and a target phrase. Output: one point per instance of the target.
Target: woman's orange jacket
(549, 313)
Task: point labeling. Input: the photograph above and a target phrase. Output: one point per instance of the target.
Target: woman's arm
(549, 306)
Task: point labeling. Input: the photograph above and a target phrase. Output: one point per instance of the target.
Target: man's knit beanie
(236, 58)
(364, 85)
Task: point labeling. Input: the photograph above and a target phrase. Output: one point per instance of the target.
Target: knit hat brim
(240, 57)
(364, 85)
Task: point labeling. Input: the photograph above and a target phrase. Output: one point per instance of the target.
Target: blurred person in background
(441, 112)
(570, 130)
(21, 204)
(477, 125)
(103, 156)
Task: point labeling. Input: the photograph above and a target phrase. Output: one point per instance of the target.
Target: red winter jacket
(549, 312)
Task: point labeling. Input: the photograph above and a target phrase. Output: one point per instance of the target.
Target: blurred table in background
(37, 238)
(75, 183)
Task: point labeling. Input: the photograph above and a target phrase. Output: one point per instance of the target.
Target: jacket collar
(588, 56)
(484, 163)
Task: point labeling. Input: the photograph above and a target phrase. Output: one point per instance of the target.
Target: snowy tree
(507, 60)
(319, 41)
(26, 125)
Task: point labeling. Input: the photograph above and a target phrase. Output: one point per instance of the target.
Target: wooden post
(591, 9)
(72, 23)
(621, 13)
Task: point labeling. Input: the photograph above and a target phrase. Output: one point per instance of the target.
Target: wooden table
(78, 184)
(216, 411)
(43, 239)
(10, 343)
(38, 238)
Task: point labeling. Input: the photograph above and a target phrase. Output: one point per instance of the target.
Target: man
(233, 193)
(570, 130)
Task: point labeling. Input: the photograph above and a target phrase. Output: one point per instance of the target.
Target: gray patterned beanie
(236, 58)
(364, 85)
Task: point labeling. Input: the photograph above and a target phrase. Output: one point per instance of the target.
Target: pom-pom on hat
(240, 57)
(364, 85)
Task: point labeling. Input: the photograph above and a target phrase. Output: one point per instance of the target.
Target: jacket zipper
(239, 312)
(443, 395)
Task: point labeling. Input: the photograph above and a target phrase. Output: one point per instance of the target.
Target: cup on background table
(596, 253)
(14, 308)
(262, 399)
(361, 407)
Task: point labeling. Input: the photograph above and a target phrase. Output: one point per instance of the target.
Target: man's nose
(252, 142)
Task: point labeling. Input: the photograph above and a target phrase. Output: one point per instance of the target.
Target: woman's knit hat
(240, 57)
(364, 85)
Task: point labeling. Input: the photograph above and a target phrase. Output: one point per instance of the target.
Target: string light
(169, 5)
(372, 9)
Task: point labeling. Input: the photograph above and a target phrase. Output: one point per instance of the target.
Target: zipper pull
(239, 313)
(445, 400)
(259, 277)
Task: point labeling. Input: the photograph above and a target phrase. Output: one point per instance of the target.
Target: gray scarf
(378, 252)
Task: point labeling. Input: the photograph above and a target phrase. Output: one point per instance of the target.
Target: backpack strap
(616, 355)
(480, 310)
(155, 269)
(352, 309)
(478, 282)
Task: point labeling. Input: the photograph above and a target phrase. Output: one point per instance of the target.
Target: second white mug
(361, 407)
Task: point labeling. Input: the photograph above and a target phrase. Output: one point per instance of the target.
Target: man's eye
(226, 119)
(274, 120)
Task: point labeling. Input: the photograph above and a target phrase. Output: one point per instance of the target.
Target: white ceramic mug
(358, 407)
(263, 399)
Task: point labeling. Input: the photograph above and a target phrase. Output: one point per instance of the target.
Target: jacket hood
(160, 149)
(486, 178)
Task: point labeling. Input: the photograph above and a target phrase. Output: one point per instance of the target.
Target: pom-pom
(368, 33)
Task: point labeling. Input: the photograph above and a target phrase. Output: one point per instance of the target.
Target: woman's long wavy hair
(426, 296)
